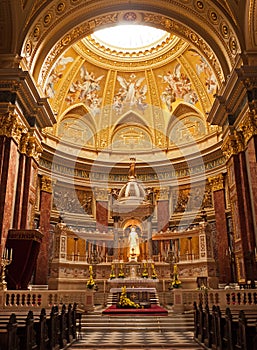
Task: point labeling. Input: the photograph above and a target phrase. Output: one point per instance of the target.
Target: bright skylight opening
(130, 36)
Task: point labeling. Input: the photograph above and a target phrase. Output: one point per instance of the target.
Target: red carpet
(154, 310)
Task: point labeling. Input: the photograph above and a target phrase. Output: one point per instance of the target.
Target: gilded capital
(232, 145)
(163, 193)
(34, 148)
(11, 126)
(101, 194)
(249, 126)
(216, 182)
(46, 184)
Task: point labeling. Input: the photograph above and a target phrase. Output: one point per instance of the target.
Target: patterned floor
(136, 341)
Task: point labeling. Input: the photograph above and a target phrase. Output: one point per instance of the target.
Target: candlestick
(5, 261)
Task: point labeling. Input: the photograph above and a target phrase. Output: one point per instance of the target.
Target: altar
(144, 296)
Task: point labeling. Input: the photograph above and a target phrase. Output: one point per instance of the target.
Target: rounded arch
(188, 21)
(131, 130)
(185, 125)
(74, 127)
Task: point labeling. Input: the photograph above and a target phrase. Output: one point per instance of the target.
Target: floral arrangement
(112, 274)
(145, 272)
(121, 272)
(154, 274)
(175, 283)
(125, 302)
(91, 283)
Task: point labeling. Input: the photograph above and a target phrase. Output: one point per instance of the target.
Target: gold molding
(216, 182)
(11, 126)
(46, 184)
(249, 126)
(162, 194)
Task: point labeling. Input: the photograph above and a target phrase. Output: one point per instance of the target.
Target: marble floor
(170, 340)
(136, 333)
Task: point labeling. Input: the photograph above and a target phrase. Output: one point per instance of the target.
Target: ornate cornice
(216, 182)
(46, 184)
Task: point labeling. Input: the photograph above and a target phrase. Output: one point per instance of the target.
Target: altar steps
(171, 332)
(96, 322)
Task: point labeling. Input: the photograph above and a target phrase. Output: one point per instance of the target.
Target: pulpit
(25, 245)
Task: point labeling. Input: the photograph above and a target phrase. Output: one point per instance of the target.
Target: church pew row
(55, 331)
(228, 330)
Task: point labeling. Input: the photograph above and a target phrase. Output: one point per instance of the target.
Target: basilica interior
(128, 144)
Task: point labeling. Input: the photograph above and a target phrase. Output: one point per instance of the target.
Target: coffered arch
(57, 26)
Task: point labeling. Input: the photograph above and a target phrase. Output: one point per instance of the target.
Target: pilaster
(41, 273)
(163, 214)
(223, 261)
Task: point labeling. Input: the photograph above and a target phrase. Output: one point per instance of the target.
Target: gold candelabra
(5, 261)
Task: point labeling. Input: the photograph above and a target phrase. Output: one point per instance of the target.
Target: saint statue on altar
(133, 240)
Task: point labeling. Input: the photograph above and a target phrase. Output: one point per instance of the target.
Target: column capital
(101, 194)
(233, 144)
(11, 126)
(216, 182)
(162, 193)
(46, 184)
(249, 125)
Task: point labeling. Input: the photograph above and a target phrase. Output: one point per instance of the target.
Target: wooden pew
(41, 329)
(55, 331)
(207, 322)
(26, 333)
(246, 332)
(8, 334)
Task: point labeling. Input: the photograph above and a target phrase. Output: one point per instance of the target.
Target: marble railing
(26, 299)
(232, 298)
(182, 299)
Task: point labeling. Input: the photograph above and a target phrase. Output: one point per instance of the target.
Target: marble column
(116, 219)
(163, 214)
(9, 159)
(223, 250)
(242, 214)
(41, 272)
(101, 197)
(149, 238)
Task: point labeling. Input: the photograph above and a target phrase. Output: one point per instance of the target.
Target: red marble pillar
(242, 217)
(41, 272)
(19, 192)
(251, 156)
(102, 216)
(163, 215)
(9, 159)
(29, 193)
(223, 251)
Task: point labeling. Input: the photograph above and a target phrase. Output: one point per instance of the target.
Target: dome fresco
(105, 87)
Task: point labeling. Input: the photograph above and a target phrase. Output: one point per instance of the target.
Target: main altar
(130, 253)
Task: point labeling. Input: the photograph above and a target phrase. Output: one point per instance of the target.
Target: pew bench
(55, 330)
(226, 330)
